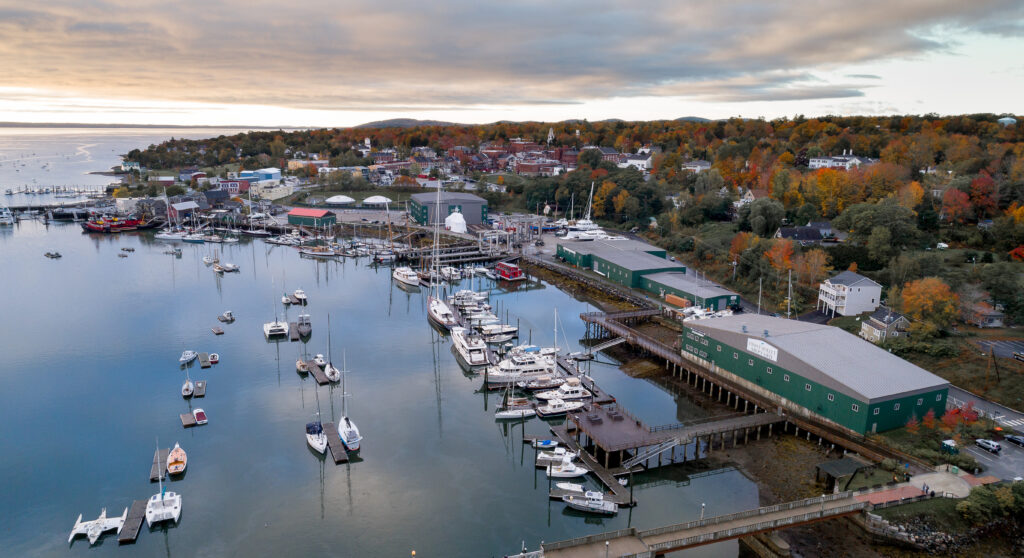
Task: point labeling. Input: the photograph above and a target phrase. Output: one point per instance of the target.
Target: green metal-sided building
(639, 265)
(816, 370)
(425, 210)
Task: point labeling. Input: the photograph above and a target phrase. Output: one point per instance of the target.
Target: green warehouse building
(816, 370)
(425, 209)
(639, 265)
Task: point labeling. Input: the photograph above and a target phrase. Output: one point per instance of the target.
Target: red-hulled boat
(114, 224)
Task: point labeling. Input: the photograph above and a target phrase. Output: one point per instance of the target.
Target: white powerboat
(570, 487)
(95, 528)
(566, 470)
(406, 276)
(497, 333)
(6, 217)
(200, 416)
(591, 501)
(300, 295)
(520, 366)
(450, 273)
(542, 383)
(557, 407)
(319, 360)
(471, 349)
(164, 505)
(569, 390)
(275, 329)
(229, 267)
(556, 455)
(187, 357)
(227, 317)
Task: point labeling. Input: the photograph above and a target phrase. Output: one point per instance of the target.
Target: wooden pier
(132, 524)
(204, 360)
(292, 299)
(159, 469)
(200, 389)
(217, 330)
(619, 494)
(317, 372)
(334, 442)
(293, 331)
(187, 420)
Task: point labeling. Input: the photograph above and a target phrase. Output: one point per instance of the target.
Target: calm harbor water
(90, 369)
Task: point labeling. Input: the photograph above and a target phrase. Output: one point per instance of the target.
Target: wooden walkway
(204, 360)
(187, 419)
(132, 524)
(293, 331)
(317, 372)
(338, 450)
(601, 397)
(634, 543)
(200, 389)
(620, 494)
(159, 469)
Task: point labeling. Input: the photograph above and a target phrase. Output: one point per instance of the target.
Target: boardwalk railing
(661, 548)
(695, 422)
(745, 514)
(589, 539)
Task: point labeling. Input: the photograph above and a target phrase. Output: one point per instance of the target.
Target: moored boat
(557, 407)
(591, 501)
(177, 460)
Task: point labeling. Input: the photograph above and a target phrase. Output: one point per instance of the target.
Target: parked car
(988, 445)
(539, 243)
(1015, 439)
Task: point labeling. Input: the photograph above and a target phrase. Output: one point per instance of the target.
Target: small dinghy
(544, 444)
(570, 487)
(177, 460)
(214, 358)
(199, 415)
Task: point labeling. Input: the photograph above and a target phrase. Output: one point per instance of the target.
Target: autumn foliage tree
(930, 304)
(983, 196)
(956, 205)
(741, 243)
(929, 420)
(811, 266)
(913, 425)
(780, 255)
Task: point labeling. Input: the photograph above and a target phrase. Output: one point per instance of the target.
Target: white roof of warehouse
(828, 355)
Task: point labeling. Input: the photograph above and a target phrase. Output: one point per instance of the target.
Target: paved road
(1003, 348)
(1005, 416)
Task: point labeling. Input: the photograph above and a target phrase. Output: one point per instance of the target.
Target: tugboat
(110, 225)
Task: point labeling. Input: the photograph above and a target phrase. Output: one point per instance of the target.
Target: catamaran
(95, 528)
(164, 505)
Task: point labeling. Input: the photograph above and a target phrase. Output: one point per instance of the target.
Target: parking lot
(1008, 464)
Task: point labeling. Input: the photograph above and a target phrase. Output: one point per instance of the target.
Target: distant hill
(404, 123)
(693, 119)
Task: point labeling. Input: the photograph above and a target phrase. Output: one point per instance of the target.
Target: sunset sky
(340, 63)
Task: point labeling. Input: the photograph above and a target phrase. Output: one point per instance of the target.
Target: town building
(639, 161)
(982, 314)
(269, 173)
(883, 324)
(846, 161)
(234, 187)
(698, 165)
(304, 216)
(848, 294)
(182, 210)
(423, 208)
(814, 370)
(696, 292)
(805, 236)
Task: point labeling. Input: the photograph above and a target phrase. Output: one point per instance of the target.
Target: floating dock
(217, 330)
(204, 360)
(187, 420)
(132, 524)
(601, 397)
(156, 472)
(200, 389)
(293, 331)
(317, 373)
(292, 299)
(334, 442)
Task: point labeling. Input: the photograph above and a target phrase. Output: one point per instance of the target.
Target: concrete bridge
(648, 543)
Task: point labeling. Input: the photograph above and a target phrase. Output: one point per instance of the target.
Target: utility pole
(734, 269)
(789, 296)
(759, 296)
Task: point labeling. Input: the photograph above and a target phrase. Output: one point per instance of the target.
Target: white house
(696, 166)
(639, 161)
(844, 161)
(848, 294)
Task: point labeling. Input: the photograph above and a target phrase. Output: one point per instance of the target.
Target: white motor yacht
(229, 267)
(450, 273)
(591, 501)
(566, 470)
(187, 357)
(471, 349)
(497, 333)
(570, 389)
(6, 217)
(300, 295)
(520, 366)
(406, 276)
(557, 407)
(275, 329)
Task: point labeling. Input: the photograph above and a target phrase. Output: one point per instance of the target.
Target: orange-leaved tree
(780, 255)
(930, 304)
(913, 425)
(929, 419)
(956, 205)
(741, 243)
(811, 266)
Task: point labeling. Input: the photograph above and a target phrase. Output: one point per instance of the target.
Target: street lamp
(702, 511)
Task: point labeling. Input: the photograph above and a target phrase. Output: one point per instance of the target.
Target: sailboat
(188, 387)
(177, 460)
(331, 371)
(164, 505)
(347, 429)
(585, 229)
(315, 431)
(438, 311)
(514, 407)
(169, 233)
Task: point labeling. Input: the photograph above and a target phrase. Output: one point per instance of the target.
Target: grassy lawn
(868, 478)
(973, 369)
(849, 323)
(939, 512)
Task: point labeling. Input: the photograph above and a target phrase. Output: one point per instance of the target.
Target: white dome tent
(455, 222)
(376, 200)
(339, 200)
